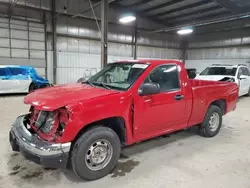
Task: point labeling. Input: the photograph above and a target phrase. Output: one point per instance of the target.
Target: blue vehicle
(20, 79)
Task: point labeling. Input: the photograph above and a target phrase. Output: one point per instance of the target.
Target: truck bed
(205, 92)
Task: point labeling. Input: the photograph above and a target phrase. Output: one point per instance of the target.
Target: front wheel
(32, 87)
(95, 153)
(212, 122)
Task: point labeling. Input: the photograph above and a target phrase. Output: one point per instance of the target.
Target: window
(240, 72)
(2, 72)
(16, 71)
(118, 76)
(246, 71)
(227, 71)
(166, 76)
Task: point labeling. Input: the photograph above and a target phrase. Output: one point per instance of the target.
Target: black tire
(204, 128)
(81, 147)
(32, 87)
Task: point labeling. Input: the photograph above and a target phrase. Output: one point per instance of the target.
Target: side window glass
(2, 72)
(246, 71)
(166, 76)
(16, 71)
(240, 72)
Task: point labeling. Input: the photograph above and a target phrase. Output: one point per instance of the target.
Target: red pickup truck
(85, 125)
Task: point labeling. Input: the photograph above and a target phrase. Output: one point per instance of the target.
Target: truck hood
(212, 77)
(56, 97)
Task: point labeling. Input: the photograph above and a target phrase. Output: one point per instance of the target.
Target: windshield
(118, 76)
(227, 71)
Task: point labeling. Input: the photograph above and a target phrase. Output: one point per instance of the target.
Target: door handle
(178, 97)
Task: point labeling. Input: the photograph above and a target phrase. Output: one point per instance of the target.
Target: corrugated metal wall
(22, 43)
(79, 47)
(78, 39)
(222, 47)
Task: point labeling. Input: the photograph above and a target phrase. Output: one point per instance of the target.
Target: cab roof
(151, 61)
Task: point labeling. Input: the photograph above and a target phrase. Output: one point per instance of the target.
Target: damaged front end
(36, 136)
(49, 125)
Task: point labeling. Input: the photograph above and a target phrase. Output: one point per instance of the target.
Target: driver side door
(163, 112)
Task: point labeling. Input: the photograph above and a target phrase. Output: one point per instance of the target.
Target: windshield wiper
(88, 82)
(101, 84)
(105, 86)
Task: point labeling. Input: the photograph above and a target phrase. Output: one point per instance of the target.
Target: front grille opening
(26, 123)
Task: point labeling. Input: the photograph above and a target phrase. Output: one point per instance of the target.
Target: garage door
(22, 43)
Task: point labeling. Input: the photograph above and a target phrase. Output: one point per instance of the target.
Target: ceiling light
(127, 19)
(185, 31)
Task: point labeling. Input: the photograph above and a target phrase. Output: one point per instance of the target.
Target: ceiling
(174, 13)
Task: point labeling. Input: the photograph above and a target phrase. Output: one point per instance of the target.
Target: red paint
(153, 115)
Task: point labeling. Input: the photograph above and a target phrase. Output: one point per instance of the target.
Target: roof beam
(141, 3)
(193, 5)
(199, 11)
(172, 2)
(234, 8)
(204, 18)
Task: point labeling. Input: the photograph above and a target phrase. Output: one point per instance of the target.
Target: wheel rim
(98, 155)
(214, 121)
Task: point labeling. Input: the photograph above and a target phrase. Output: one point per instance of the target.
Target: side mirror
(149, 89)
(243, 77)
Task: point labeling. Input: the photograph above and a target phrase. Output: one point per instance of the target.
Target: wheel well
(117, 124)
(221, 104)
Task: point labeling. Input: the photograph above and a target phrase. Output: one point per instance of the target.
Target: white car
(20, 79)
(236, 73)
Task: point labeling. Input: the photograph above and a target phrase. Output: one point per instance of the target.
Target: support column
(54, 44)
(184, 46)
(104, 34)
(135, 40)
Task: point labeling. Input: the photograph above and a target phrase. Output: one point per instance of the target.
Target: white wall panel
(4, 32)
(163, 53)
(37, 54)
(71, 66)
(4, 42)
(16, 43)
(37, 45)
(4, 52)
(19, 53)
(19, 34)
(36, 36)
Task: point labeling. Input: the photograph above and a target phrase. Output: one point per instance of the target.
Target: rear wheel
(212, 122)
(95, 153)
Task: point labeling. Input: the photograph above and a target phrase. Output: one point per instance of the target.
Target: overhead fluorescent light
(127, 19)
(185, 31)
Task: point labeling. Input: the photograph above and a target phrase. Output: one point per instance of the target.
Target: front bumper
(48, 154)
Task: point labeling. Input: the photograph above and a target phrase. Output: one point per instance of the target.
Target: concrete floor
(182, 160)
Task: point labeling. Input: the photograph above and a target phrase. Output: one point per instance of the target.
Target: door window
(2, 72)
(166, 76)
(245, 71)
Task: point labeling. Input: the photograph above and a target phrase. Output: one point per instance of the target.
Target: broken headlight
(48, 125)
(42, 116)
